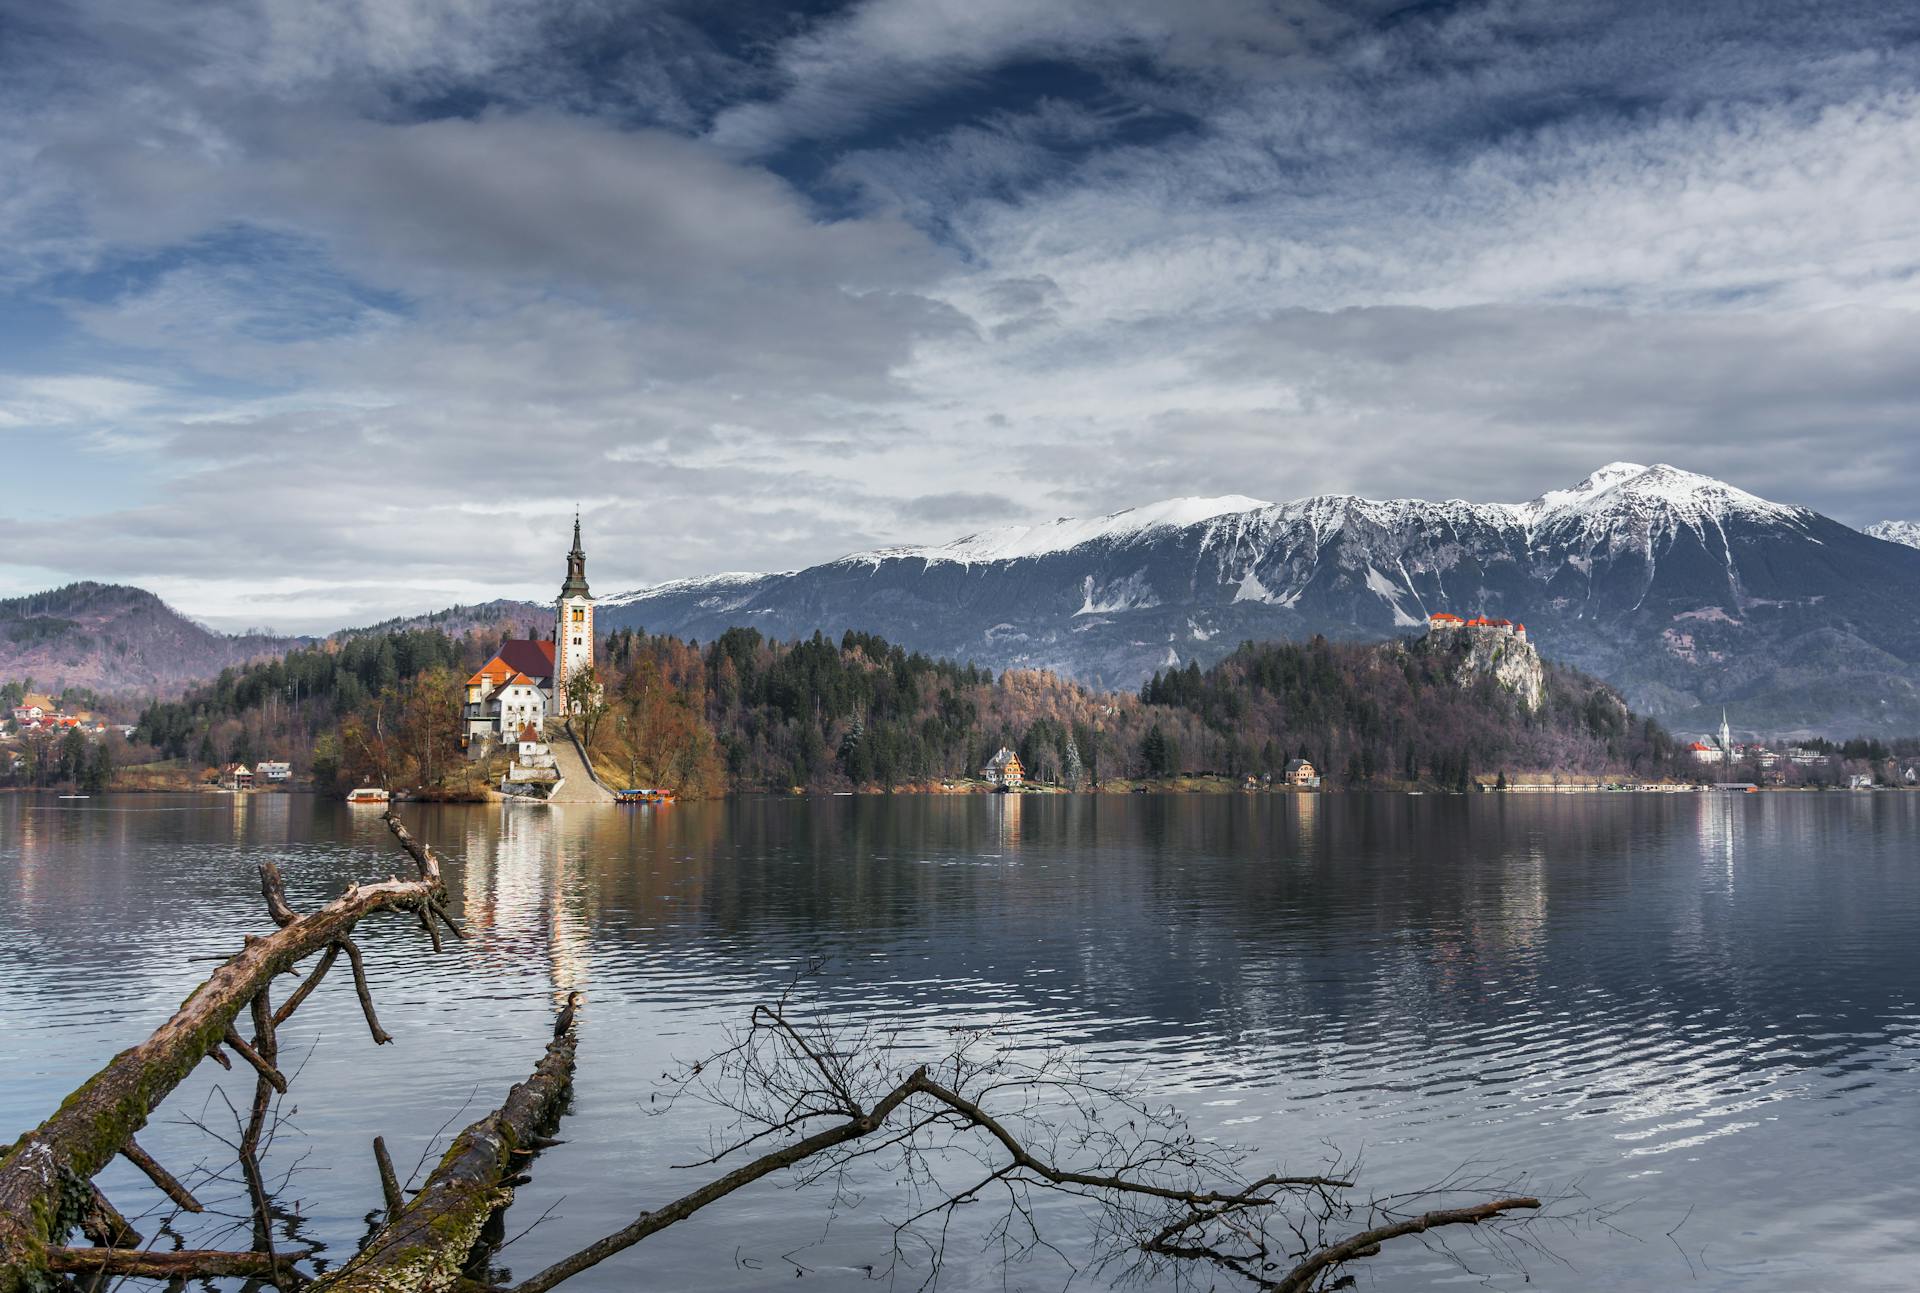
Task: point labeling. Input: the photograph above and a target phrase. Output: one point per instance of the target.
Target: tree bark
(426, 1244)
(44, 1174)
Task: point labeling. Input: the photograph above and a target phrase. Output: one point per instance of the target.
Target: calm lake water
(1701, 1013)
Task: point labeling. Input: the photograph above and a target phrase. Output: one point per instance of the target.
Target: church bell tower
(572, 623)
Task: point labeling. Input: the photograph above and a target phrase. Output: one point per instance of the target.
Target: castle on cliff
(1447, 622)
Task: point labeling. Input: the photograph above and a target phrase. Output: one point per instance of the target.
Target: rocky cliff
(1495, 652)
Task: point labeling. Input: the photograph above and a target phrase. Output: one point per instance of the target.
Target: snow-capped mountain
(1902, 532)
(1681, 589)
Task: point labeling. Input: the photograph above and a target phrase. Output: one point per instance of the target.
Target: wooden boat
(367, 795)
(643, 795)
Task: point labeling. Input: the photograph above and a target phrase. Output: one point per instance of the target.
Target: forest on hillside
(745, 712)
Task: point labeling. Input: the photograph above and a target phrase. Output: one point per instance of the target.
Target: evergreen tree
(73, 757)
(99, 768)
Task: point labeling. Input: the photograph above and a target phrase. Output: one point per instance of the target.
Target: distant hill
(117, 640)
(503, 615)
(1684, 592)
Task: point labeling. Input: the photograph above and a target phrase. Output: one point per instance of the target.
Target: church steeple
(576, 585)
(572, 622)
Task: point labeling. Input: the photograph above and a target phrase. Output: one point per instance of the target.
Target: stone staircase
(578, 785)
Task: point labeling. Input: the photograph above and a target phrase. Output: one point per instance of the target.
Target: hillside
(114, 639)
(1684, 592)
(749, 713)
(504, 617)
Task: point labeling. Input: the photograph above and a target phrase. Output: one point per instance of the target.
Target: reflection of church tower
(572, 623)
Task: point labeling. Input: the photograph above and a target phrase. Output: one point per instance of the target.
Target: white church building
(525, 683)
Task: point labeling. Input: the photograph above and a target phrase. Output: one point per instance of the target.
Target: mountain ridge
(1685, 591)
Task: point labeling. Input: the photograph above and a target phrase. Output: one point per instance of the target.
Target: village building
(533, 765)
(237, 776)
(1718, 747)
(1003, 769)
(35, 710)
(1300, 772)
(272, 770)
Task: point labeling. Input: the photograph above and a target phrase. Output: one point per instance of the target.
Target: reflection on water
(1700, 1002)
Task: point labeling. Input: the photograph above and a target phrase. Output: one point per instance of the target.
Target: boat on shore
(643, 795)
(367, 795)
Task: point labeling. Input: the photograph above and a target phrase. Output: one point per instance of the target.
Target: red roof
(535, 659)
(1445, 616)
(527, 732)
(517, 656)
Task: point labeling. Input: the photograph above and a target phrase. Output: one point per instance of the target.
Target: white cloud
(1281, 250)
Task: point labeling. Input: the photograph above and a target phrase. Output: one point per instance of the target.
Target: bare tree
(806, 1097)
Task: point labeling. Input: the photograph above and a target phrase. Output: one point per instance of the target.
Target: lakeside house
(271, 770)
(236, 776)
(1300, 772)
(1003, 769)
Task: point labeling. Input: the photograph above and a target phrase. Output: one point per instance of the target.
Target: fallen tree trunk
(44, 1175)
(425, 1245)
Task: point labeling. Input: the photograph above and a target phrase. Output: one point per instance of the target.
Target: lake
(1694, 1018)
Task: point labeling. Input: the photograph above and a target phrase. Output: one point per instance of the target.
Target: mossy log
(45, 1174)
(427, 1245)
(190, 1263)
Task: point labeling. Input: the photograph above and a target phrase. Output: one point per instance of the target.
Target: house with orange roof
(511, 691)
(36, 710)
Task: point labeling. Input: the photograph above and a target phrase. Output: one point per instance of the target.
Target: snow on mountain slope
(1906, 533)
(1015, 542)
(715, 584)
(1625, 502)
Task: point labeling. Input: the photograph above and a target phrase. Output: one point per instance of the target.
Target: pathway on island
(578, 785)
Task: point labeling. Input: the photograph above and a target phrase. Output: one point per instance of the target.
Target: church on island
(525, 683)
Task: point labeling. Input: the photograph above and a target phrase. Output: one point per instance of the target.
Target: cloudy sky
(313, 312)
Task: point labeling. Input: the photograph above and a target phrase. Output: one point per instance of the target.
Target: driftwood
(45, 1175)
(190, 1263)
(427, 1242)
(1163, 1194)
